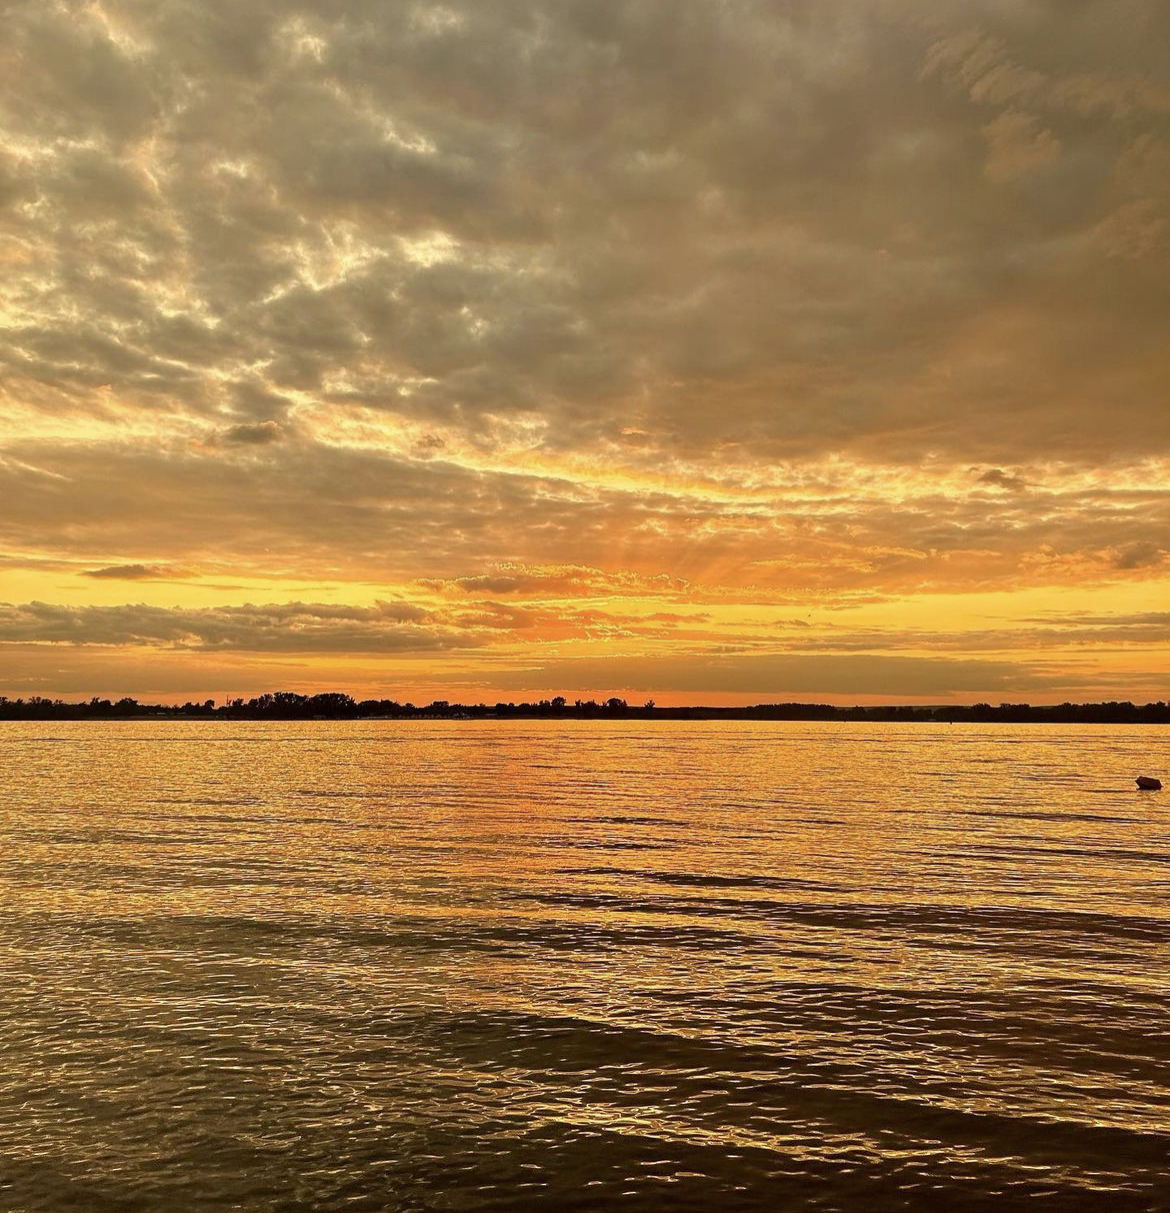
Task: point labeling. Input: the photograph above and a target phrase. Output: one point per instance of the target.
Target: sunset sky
(704, 352)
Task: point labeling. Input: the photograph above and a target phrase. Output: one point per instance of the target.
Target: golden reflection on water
(481, 964)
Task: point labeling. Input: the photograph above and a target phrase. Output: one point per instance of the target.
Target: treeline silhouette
(333, 705)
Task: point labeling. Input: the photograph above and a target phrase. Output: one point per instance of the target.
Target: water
(583, 966)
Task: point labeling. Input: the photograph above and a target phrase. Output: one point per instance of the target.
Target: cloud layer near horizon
(825, 303)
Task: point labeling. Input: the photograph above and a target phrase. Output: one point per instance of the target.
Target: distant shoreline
(289, 705)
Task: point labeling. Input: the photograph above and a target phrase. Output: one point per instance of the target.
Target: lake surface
(583, 966)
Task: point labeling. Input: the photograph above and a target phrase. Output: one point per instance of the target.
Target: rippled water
(583, 966)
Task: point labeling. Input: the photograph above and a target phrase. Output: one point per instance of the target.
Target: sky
(708, 352)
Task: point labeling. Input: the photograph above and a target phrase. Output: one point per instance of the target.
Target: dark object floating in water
(1149, 784)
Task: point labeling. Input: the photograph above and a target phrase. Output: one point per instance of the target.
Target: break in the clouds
(829, 304)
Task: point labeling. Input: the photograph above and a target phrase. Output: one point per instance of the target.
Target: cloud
(1017, 144)
(134, 572)
(370, 515)
(532, 646)
(1142, 554)
(998, 478)
(278, 628)
(785, 675)
(559, 580)
(529, 209)
(1135, 230)
(259, 434)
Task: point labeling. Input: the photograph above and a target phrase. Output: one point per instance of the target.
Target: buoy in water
(1148, 783)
